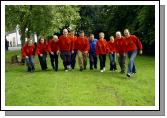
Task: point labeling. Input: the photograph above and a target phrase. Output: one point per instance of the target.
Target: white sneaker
(66, 70)
(101, 71)
(104, 69)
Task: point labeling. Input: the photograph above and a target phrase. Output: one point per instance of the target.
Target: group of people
(68, 46)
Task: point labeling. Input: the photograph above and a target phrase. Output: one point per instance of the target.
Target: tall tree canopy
(43, 19)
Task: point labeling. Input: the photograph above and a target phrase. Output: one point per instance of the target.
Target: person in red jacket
(82, 46)
(73, 49)
(27, 52)
(101, 50)
(112, 53)
(133, 45)
(65, 45)
(42, 52)
(53, 49)
(121, 48)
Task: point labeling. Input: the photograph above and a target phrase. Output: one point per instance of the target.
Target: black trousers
(102, 58)
(42, 61)
(93, 61)
(66, 57)
(73, 59)
(54, 61)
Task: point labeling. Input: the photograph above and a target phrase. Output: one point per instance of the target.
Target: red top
(133, 43)
(121, 45)
(53, 46)
(82, 44)
(28, 50)
(65, 43)
(41, 48)
(101, 47)
(111, 47)
(73, 39)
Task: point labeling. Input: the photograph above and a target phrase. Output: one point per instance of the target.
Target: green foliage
(43, 19)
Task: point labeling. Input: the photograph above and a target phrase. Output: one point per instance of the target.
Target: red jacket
(73, 41)
(28, 50)
(133, 43)
(65, 43)
(111, 47)
(82, 44)
(41, 48)
(53, 46)
(121, 45)
(101, 47)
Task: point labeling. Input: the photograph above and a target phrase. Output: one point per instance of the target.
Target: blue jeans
(93, 60)
(112, 58)
(30, 63)
(131, 65)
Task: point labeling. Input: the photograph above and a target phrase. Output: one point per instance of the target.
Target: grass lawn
(75, 88)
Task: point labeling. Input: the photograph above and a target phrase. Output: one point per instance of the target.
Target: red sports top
(111, 47)
(73, 39)
(65, 43)
(82, 44)
(101, 47)
(53, 46)
(28, 50)
(41, 48)
(133, 43)
(121, 45)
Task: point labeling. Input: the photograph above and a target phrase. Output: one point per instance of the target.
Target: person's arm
(139, 45)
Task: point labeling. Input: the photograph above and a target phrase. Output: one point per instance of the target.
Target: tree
(42, 19)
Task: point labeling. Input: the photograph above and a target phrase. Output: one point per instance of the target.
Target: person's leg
(41, 61)
(95, 61)
(84, 60)
(63, 57)
(73, 56)
(80, 60)
(28, 64)
(120, 61)
(91, 61)
(31, 59)
(52, 60)
(123, 63)
(56, 62)
(104, 62)
(101, 62)
(110, 58)
(114, 56)
(69, 60)
(45, 62)
(131, 65)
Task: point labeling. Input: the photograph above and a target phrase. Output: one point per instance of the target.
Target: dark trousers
(122, 61)
(30, 63)
(73, 59)
(102, 58)
(42, 61)
(54, 61)
(66, 57)
(112, 58)
(93, 61)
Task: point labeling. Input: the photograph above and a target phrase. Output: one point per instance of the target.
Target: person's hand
(72, 51)
(41, 55)
(58, 52)
(86, 52)
(27, 57)
(52, 53)
(140, 52)
(118, 54)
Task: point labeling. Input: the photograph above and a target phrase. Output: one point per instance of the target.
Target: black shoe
(81, 69)
(128, 75)
(122, 72)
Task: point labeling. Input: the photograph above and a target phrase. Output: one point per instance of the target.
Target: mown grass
(75, 88)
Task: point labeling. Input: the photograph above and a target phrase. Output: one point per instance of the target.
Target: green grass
(75, 88)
